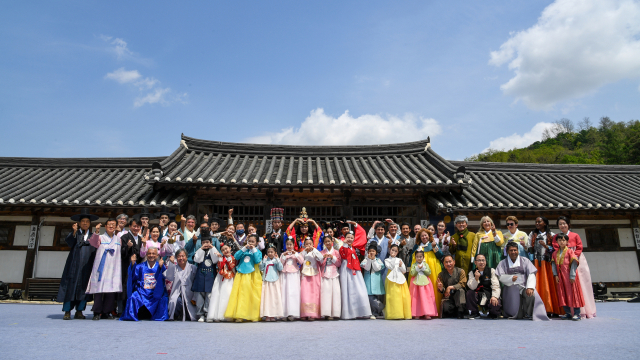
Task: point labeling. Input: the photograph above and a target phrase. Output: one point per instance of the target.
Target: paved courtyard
(38, 332)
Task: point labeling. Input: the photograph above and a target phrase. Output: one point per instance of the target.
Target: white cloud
(157, 96)
(575, 47)
(118, 46)
(322, 129)
(520, 141)
(123, 76)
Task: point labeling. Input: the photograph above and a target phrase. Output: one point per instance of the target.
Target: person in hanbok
(520, 300)
(244, 302)
(77, 269)
(302, 228)
(226, 238)
(182, 301)
(164, 217)
(565, 263)
(310, 282)
(427, 242)
(271, 299)
(423, 300)
(144, 217)
(222, 286)
(518, 236)
(541, 246)
(355, 301)
(148, 299)
(452, 282)
(131, 243)
(442, 238)
(190, 235)
(583, 273)
(152, 239)
(331, 301)
(483, 290)
(174, 238)
(290, 281)
(488, 242)
(406, 243)
(461, 243)
(276, 236)
(380, 239)
(206, 259)
(374, 276)
(106, 277)
(398, 299)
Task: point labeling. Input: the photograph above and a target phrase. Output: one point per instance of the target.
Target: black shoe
(79, 315)
(473, 316)
(67, 315)
(96, 317)
(460, 315)
(108, 317)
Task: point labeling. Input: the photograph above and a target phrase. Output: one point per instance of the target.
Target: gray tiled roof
(545, 186)
(81, 182)
(219, 163)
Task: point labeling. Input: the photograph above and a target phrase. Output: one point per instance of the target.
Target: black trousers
(376, 304)
(454, 304)
(473, 298)
(104, 303)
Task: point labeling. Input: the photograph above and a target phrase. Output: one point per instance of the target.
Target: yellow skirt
(398, 301)
(244, 302)
(436, 267)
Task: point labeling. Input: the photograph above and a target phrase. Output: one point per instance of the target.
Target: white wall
(12, 265)
(21, 237)
(626, 237)
(46, 235)
(50, 264)
(613, 266)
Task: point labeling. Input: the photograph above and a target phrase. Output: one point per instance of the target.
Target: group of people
(202, 272)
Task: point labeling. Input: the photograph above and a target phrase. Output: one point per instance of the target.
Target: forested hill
(609, 143)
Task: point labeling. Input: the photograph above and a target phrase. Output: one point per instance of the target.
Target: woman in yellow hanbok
(397, 294)
(244, 302)
(424, 239)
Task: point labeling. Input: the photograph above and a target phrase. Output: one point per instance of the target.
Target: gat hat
(277, 214)
(165, 211)
(84, 213)
(374, 245)
(215, 219)
(205, 234)
(145, 213)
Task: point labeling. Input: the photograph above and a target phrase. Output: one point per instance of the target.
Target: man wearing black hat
(77, 270)
(164, 216)
(276, 236)
(144, 218)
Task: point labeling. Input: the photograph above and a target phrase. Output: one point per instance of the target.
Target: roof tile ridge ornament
(428, 144)
(184, 144)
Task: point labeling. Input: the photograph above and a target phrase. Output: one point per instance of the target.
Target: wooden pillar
(31, 253)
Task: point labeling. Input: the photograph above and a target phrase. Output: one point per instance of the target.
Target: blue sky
(112, 79)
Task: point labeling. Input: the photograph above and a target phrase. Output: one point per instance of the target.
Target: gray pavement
(38, 332)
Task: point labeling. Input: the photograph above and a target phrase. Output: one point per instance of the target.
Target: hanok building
(406, 182)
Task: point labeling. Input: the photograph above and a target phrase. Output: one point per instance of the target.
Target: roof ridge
(106, 162)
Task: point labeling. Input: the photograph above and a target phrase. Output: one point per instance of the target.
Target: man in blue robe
(148, 295)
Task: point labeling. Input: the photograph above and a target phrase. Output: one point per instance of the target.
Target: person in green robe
(461, 243)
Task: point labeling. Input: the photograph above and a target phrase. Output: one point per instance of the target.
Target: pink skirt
(310, 296)
(583, 273)
(423, 300)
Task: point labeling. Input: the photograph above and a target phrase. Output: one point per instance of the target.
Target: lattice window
(4, 235)
(366, 215)
(602, 238)
(64, 231)
(247, 214)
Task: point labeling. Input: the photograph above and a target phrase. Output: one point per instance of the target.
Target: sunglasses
(511, 224)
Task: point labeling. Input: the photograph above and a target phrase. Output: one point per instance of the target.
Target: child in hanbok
(244, 303)
(290, 281)
(330, 301)
(355, 302)
(423, 300)
(206, 259)
(372, 270)
(398, 299)
(310, 283)
(221, 290)
(564, 266)
(271, 301)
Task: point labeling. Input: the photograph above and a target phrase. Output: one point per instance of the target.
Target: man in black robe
(276, 236)
(131, 243)
(77, 270)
